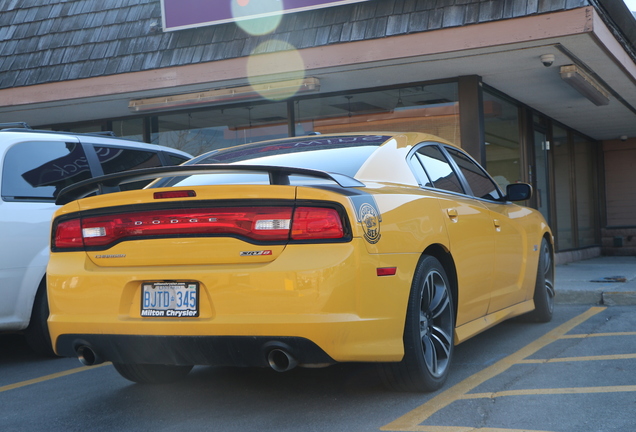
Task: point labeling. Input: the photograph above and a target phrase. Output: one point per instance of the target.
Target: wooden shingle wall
(57, 40)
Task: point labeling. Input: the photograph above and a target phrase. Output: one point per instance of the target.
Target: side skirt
(468, 330)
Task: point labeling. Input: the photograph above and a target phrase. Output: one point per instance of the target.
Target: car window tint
(116, 159)
(418, 171)
(219, 178)
(480, 182)
(246, 178)
(342, 155)
(39, 170)
(174, 159)
(438, 169)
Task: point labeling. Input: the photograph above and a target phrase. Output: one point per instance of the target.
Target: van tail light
(264, 224)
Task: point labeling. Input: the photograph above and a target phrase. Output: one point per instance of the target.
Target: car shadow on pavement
(14, 349)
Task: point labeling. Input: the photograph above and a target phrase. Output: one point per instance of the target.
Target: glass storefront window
(430, 108)
(503, 150)
(563, 171)
(197, 132)
(562, 159)
(585, 172)
(132, 129)
(82, 128)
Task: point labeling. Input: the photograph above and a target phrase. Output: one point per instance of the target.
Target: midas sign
(181, 14)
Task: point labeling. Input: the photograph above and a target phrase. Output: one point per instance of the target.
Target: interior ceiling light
(585, 84)
(233, 94)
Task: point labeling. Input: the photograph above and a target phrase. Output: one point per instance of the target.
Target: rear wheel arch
(37, 333)
(428, 332)
(446, 259)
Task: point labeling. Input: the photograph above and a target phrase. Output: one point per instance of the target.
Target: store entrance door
(541, 173)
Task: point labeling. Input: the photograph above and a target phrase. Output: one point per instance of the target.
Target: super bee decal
(368, 216)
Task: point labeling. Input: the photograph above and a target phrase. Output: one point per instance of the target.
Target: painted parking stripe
(579, 359)
(49, 377)
(411, 422)
(584, 336)
(551, 391)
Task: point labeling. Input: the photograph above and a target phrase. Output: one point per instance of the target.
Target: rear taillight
(312, 223)
(260, 224)
(68, 234)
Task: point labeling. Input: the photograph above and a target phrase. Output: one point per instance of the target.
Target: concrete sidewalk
(603, 280)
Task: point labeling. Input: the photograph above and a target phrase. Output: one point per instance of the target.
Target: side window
(115, 159)
(479, 181)
(418, 171)
(439, 171)
(176, 159)
(38, 170)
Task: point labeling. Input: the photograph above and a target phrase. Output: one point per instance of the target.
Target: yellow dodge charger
(389, 248)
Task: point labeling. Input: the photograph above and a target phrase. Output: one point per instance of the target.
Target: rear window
(39, 170)
(117, 159)
(341, 155)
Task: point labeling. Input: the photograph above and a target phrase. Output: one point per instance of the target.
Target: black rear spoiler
(110, 182)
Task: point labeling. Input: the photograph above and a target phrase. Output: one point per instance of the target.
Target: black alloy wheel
(544, 291)
(428, 334)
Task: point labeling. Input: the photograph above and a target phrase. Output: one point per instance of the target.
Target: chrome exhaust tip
(281, 360)
(87, 356)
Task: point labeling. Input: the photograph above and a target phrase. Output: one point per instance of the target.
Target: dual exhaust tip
(281, 360)
(87, 356)
(278, 357)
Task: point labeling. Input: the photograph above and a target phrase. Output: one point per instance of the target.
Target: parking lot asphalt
(605, 280)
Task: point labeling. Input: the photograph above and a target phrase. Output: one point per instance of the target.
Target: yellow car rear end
(318, 300)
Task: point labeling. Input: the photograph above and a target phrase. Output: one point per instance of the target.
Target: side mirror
(518, 192)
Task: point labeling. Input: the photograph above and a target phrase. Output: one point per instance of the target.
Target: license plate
(170, 299)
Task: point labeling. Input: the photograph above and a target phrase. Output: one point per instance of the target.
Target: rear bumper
(328, 296)
(247, 351)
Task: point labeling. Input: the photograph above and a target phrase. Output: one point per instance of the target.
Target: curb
(614, 298)
(607, 296)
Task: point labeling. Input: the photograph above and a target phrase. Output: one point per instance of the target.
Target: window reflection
(39, 170)
(562, 156)
(430, 109)
(480, 183)
(438, 169)
(198, 132)
(587, 219)
(503, 150)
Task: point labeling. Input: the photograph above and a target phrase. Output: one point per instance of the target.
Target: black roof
(58, 40)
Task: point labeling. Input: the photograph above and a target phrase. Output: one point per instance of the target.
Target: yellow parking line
(554, 391)
(583, 336)
(583, 358)
(48, 377)
(466, 429)
(412, 420)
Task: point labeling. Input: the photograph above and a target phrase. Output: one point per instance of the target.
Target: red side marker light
(175, 194)
(386, 271)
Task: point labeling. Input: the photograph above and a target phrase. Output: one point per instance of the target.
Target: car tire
(544, 287)
(428, 333)
(37, 333)
(152, 373)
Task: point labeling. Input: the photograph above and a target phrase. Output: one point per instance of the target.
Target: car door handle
(452, 214)
(497, 224)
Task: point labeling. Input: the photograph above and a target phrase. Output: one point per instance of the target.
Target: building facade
(539, 91)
